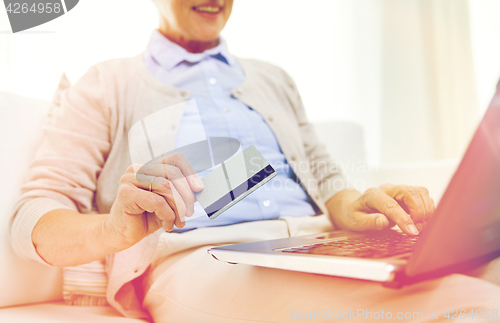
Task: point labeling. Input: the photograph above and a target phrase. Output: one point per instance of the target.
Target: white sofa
(344, 141)
(31, 292)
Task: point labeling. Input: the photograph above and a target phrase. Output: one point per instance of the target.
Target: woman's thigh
(191, 286)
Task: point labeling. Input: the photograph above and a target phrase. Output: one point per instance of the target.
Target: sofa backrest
(345, 143)
(22, 281)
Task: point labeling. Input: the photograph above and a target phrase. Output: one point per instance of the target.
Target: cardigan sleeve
(64, 171)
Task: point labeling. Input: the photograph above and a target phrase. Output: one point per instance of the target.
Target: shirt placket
(216, 94)
(235, 129)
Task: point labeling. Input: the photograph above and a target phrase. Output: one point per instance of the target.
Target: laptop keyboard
(380, 246)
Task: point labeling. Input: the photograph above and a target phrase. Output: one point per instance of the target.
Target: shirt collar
(168, 54)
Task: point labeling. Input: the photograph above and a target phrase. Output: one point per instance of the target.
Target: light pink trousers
(185, 284)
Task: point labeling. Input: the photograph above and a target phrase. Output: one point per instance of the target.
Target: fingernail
(380, 223)
(198, 182)
(413, 229)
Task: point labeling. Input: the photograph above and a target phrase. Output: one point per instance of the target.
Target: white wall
(93, 31)
(330, 48)
(333, 50)
(485, 26)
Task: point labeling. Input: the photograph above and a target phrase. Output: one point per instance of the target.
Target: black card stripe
(241, 189)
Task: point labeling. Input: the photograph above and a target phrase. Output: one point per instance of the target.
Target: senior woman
(157, 264)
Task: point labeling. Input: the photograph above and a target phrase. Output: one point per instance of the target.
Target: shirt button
(266, 203)
(238, 91)
(270, 118)
(226, 110)
(293, 158)
(212, 80)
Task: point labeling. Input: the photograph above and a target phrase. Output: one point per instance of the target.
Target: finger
(180, 208)
(146, 175)
(168, 226)
(428, 203)
(426, 221)
(411, 198)
(134, 168)
(174, 199)
(177, 160)
(177, 178)
(168, 190)
(154, 222)
(380, 201)
(127, 178)
(157, 176)
(369, 221)
(137, 201)
(180, 161)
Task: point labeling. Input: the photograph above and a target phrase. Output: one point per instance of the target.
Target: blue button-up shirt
(210, 76)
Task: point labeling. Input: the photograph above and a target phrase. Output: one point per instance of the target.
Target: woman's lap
(191, 286)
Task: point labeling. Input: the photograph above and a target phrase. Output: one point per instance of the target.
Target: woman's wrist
(68, 238)
(114, 240)
(105, 240)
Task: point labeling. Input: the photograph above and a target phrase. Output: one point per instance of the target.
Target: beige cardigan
(85, 152)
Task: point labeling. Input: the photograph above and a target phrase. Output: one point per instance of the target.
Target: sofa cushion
(59, 312)
(23, 281)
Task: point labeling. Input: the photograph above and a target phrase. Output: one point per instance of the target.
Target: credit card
(233, 180)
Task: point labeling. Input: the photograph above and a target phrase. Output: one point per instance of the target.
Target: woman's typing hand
(409, 207)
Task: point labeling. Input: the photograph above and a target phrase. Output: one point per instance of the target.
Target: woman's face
(193, 20)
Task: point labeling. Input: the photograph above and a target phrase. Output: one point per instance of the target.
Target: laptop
(463, 233)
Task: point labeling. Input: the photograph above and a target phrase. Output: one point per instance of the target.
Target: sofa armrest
(23, 281)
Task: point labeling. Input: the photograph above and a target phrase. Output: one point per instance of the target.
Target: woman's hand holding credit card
(174, 186)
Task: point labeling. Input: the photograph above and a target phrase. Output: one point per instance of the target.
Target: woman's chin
(206, 31)
(207, 36)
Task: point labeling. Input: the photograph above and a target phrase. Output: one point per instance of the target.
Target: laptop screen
(466, 224)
